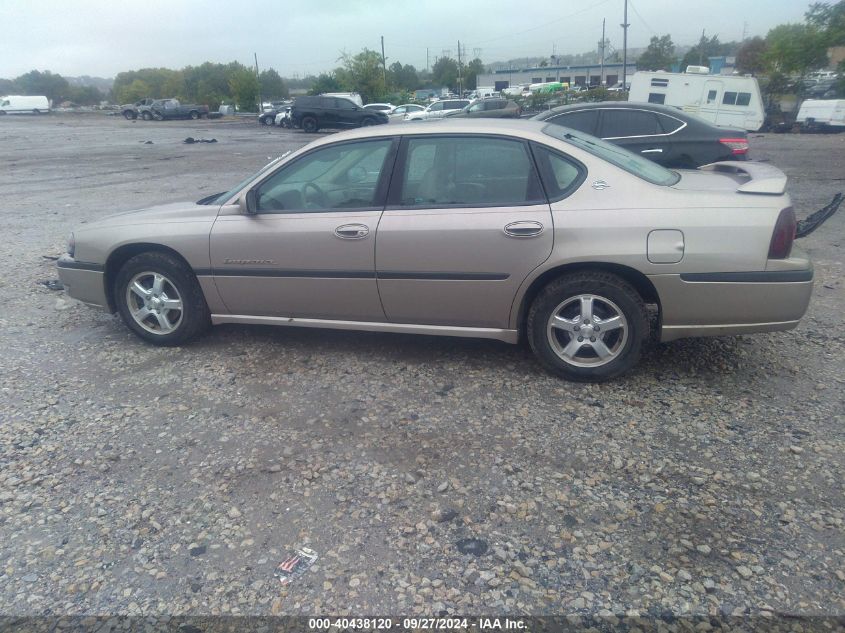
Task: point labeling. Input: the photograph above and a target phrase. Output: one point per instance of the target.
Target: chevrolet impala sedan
(493, 229)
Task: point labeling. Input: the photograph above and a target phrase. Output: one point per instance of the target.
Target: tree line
(788, 50)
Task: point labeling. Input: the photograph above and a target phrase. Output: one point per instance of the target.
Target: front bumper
(84, 281)
(720, 304)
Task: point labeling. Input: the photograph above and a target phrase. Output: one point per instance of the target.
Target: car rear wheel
(309, 124)
(147, 116)
(368, 122)
(160, 300)
(195, 115)
(129, 115)
(588, 326)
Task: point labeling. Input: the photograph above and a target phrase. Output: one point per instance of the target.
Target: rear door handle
(654, 150)
(523, 229)
(352, 231)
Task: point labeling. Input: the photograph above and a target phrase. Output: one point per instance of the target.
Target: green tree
(751, 57)
(660, 54)
(362, 73)
(708, 47)
(243, 86)
(272, 85)
(403, 77)
(445, 73)
(325, 82)
(470, 73)
(830, 20)
(84, 95)
(795, 48)
(52, 85)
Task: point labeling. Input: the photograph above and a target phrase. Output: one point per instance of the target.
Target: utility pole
(426, 59)
(460, 81)
(383, 64)
(258, 80)
(601, 74)
(625, 26)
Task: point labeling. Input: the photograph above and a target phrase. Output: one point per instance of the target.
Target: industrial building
(573, 75)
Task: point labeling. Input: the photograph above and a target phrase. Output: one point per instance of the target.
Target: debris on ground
(52, 284)
(295, 565)
(191, 140)
(815, 220)
(474, 546)
(52, 258)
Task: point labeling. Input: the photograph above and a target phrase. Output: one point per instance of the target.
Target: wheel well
(634, 277)
(121, 255)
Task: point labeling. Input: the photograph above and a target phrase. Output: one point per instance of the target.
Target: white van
(17, 104)
(822, 113)
(724, 100)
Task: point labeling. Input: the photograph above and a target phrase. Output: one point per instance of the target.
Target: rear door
(636, 130)
(466, 222)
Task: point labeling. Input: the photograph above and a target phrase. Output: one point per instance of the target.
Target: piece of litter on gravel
(52, 284)
(190, 140)
(474, 546)
(52, 258)
(295, 565)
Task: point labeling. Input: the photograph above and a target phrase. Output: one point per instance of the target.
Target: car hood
(165, 213)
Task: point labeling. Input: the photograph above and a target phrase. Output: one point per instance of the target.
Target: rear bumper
(83, 281)
(717, 304)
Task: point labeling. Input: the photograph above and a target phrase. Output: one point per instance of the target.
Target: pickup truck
(131, 111)
(173, 109)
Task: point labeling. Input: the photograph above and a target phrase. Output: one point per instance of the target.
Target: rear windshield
(615, 155)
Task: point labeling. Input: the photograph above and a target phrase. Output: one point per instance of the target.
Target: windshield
(225, 196)
(615, 155)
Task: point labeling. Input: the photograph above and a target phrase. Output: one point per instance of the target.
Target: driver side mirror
(248, 204)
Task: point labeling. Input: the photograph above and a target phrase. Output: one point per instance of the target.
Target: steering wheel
(321, 195)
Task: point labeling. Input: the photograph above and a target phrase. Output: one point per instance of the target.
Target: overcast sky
(102, 38)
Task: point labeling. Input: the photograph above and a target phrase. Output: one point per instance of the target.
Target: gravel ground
(137, 480)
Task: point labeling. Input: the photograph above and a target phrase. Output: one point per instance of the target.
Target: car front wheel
(160, 300)
(588, 326)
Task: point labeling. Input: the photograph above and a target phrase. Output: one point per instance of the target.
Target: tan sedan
(494, 229)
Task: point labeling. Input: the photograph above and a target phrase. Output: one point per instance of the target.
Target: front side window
(468, 171)
(436, 107)
(342, 176)
(615, 155)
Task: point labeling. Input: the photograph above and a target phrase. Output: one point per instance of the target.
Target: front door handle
(352, 231)
(654, 150)
(523, 229)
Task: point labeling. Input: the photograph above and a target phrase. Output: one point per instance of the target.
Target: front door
(309, 249)
(465, 224)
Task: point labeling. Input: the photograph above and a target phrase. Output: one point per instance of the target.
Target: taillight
(783, 235)
(736, 145)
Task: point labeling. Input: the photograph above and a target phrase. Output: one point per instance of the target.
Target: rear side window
(668, 123)
(468, 171)
(618, 123)
(737, 98)
(581, 120)
(561, 174)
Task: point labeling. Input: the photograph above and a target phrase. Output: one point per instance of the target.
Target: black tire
(368, 122)
(309, 124)
(129, 115)
(611, 295)
(194, 115)
(191, 320)
(147, 116)
(265, 120)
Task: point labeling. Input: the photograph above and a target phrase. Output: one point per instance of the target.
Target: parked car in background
(161, 109)
(518, 229)
(268, 117)
(438, 109)
(822, 115)
(400, 111)
(667, 136)
(316, 113)
(24, 104)
(387, 108)
(490, 108)
(283, 117)
(130, 110)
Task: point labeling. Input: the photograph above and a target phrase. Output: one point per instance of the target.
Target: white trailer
(724, 100)
(822, 113)
(19, 104)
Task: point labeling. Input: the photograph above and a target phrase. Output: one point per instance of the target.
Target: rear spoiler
(759, 177)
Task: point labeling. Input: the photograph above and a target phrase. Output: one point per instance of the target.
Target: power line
(645, 24)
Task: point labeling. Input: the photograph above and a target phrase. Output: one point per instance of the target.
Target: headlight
(71, 245)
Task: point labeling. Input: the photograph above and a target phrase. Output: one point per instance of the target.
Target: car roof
(690, 119)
